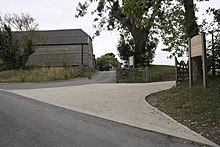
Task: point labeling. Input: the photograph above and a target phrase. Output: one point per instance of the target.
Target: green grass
(42, 74)
(87, 74)
(197, 108)
(162, 73)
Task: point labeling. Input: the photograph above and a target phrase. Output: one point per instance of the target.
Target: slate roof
(73, 36)
(64, 37)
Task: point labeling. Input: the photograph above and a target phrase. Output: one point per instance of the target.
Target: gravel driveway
(124, 103)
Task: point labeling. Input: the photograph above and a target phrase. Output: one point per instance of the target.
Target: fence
(133, 75)
(181, 71)
(154, 73)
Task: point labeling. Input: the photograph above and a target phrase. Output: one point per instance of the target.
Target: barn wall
(58, 55)
(88, 56)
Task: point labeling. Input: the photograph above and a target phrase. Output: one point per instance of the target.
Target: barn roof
(63, 37)
(71, 36)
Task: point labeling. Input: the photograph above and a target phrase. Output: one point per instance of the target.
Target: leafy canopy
(144, 20)
(133, 16)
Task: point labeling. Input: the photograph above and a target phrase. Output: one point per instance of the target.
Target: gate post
(147, 71)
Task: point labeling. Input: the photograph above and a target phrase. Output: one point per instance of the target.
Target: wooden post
(176, 71)
(204, 60)
(82, 55)
(190, 64)
(213, 56)
(147, 69)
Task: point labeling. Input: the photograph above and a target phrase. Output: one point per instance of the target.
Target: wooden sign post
(197, 47)
(190, 64)
(131, 61)
(204, 59)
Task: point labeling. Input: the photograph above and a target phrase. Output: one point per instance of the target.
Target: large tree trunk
(139, 41)
(191, 28)
(140, 36)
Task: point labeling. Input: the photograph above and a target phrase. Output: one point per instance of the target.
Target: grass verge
(43, 74)
(88, 74)
(197, 108)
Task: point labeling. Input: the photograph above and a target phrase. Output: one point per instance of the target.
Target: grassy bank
(42, 74)
(197, 108)
(162, 73)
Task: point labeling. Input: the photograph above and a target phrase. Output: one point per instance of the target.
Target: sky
(56, 14)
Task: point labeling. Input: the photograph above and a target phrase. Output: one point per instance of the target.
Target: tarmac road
(26, 122)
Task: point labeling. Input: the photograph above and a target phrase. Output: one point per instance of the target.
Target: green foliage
(106, 62)
(170, 22)
(177, 22)
(135, 17)
(8, 50)
(190, 20)
(213, 53)
(16, 47)
(217, 15)
(174, 21)
(125, 46)
(213, 28)
(143, 11)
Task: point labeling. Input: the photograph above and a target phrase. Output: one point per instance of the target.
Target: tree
(192, 30)
(125, 46)
(170, 22)
(107, 61)
(213, 28)
(135, 16)
(181, 15)
(142, 18)
(217, 15)
(16, 47)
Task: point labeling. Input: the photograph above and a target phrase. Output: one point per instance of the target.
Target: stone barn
(64, 47)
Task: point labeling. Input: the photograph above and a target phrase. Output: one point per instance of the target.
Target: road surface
(26, 122)
(100, 77)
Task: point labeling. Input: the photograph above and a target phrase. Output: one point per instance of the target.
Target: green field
(162, 73)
